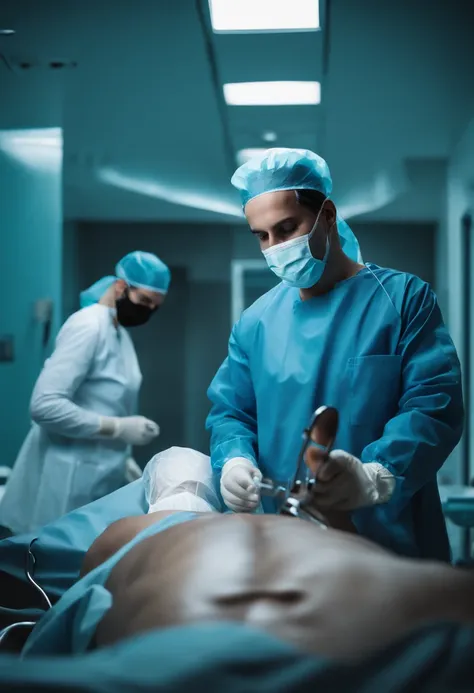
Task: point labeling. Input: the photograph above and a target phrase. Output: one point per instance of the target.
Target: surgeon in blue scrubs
(367, 340)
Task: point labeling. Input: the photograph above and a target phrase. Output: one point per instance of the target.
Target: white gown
(63, 463)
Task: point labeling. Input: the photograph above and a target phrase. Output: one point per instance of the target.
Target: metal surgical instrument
(321, 433)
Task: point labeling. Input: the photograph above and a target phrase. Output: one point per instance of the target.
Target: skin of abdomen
(325, 591)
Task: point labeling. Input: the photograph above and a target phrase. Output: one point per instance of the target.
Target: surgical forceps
(30, 563)
(295, 497)
(30, 558)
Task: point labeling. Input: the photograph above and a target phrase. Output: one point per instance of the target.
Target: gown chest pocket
(374, 388)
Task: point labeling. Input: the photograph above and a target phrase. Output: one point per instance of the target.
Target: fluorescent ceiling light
(42, 148)
(231, 16)
(272, 93)
(168, 193)
(245, 155)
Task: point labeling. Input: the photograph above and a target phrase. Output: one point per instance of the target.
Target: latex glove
(239, 485)
(134, 430)
(343, 482)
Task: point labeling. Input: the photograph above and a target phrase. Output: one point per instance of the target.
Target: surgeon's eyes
(262, 237)
(287, 229)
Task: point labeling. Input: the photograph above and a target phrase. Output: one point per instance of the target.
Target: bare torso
(325, 591)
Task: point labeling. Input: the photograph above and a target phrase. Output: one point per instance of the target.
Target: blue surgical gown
(376, 348)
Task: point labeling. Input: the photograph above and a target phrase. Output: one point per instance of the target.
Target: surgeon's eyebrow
(144, 299)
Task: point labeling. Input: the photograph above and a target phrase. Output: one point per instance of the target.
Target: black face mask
(131, 314)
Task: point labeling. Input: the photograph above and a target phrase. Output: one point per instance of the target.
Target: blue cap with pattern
(138, 269)
(291, 169)
(145, 271)
(282, 169)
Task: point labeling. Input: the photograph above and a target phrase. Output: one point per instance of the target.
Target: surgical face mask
(293, 262)
(131, 314)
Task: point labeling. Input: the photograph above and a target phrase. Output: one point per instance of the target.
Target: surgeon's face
(277, 217)
(141, 297)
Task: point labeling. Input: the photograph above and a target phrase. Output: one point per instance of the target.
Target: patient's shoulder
(111, 540)
(115, 536)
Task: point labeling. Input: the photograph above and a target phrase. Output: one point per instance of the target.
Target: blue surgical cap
(145, 271)
(95, 292)
(282, 169)
(138, 269)
(291, 169)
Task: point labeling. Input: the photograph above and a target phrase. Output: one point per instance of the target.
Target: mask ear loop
(126, 289)
(314, 227)
(328, 241)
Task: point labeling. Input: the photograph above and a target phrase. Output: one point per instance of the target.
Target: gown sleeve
(52, 405)
(428, 426)
(233, 416)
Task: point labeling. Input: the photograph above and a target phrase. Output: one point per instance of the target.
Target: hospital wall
(460, 201)
(30, 247)
(183, 346)
(450, 267)
(70, 267)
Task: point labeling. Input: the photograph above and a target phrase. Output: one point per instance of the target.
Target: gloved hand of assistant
(133, 430)
(239, 485)
(345, 483)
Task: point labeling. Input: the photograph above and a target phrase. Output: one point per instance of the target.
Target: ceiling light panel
(233, 16)
(272, 93)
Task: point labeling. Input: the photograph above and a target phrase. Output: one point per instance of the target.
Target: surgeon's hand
(239, 485)
(345, 483)
(133, 430)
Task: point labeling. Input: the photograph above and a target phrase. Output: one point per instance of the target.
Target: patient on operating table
(326, 591)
